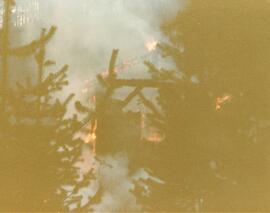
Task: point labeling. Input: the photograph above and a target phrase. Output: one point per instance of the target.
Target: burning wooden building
(113, 128)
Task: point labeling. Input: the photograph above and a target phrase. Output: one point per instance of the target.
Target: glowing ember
(150, 134)
(93, 134)
(94, 128)
(87, 139)
(151, 45)
(94, 99)
(222, 100)
(155, 136)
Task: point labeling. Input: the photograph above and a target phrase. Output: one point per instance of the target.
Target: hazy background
(88, 30)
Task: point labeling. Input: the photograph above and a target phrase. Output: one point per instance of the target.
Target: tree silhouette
(217, 114)
(115, 131)
(38, 147)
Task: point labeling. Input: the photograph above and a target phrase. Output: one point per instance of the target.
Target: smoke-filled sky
(88, 30)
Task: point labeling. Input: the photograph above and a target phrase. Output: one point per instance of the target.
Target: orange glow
(94, 102)
(94, 126)
(94, 99)
(87, 139)
(94, 135)
(121, 67)
(91, 137)
(155, 136)
(150, 134)
(151, 45)
(222, 100)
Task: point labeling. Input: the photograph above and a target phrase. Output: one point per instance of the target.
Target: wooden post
(111, 70)
(5, 44)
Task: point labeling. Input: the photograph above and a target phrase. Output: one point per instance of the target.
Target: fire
(150, 134)
(93, 134)
(94, 99)
(222, 100)
(151, 45)
(155, 136)
(91, 137)
(122, 67)
(91, 128)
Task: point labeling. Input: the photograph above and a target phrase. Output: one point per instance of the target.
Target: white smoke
(87, 32)
(116, 183)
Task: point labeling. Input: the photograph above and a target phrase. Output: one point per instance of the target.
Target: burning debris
(110, 114)
(222, 100)
(155, 135)
(93, 134)
(124, 65)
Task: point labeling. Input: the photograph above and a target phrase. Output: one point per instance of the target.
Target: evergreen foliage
(216, 155)
(38, 148)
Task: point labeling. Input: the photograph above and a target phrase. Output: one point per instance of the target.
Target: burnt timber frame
(111, 82)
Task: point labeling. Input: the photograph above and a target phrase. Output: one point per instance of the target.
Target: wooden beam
(150, 105)
(131, 96)
(139, 83)
(113, 59)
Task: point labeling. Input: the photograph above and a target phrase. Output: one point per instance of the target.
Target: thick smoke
(115, 181)
(88, 30)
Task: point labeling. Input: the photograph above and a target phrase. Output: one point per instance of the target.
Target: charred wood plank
(113, 59)
(150, 106)
(139, 83)
(131, 96)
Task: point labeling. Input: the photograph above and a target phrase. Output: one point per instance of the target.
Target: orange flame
(91, 137)
(94, 101)
(151, 45)
(150, 134)
(93, 134)
(155, 136)
(94, 127)
(221, 100)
